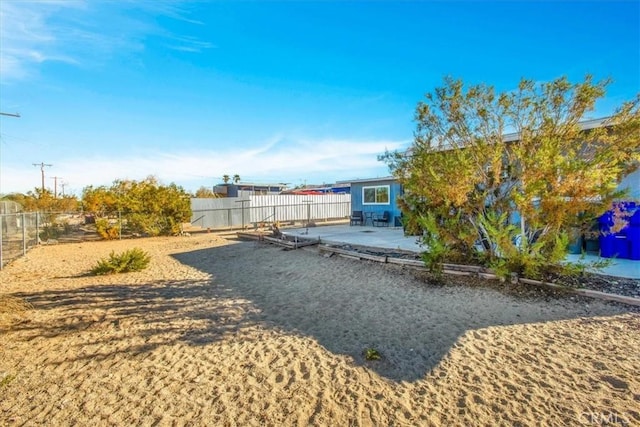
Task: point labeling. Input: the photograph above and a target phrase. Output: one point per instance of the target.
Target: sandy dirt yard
(228, 333)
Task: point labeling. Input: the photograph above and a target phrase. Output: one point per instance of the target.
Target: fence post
(37, 228)
(119, 225)
(24, 234)
(242, 202)
(229, 218)
(274, 214)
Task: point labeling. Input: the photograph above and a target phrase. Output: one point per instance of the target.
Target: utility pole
(42, 165)
(55, 185)
(63, 184)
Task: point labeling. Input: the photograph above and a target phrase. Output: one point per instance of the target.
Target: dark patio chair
(383, 219)
(356, 218)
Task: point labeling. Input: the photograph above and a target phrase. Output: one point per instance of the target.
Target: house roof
(508, 137)
(362, 181)
(584, 125)
(252, 184)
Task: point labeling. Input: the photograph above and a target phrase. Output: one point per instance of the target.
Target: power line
(42, 165)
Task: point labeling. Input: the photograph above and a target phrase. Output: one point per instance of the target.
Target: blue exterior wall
(395, 190)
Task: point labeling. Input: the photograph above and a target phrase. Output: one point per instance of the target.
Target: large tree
(514, 170)
(146, 206)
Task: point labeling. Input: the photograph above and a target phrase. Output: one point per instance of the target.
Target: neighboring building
(343, 188)
(374, 196)
(248, 189)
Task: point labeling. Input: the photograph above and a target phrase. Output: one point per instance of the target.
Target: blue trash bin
(606, 245)
(634, 220)
(633, 234)
(621, 247)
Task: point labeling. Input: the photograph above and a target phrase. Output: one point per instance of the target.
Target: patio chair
(356, 218)
(383, 219)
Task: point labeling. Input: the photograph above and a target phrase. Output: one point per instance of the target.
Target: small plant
(107, 230)
(50, 231)
(6, 380)
(131, 260)
(66, 227)
(372, 354)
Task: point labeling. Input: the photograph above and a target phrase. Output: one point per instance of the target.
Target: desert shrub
(106, 230)
(66, 227)
(49, 231)
(131, 260)
(372, 354)
(146, 207)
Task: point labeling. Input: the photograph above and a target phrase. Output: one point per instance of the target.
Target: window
(378, 195)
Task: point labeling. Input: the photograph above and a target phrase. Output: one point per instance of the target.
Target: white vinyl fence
(240, 212)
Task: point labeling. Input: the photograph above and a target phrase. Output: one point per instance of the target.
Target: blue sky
(273, 91)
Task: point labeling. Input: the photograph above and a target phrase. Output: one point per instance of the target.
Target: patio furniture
(368, 216)
(383, 219)
(356, 218)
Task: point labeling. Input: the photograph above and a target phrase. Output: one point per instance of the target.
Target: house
(320, 189)
(374, 196)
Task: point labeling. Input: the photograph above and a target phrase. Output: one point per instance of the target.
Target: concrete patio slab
(394, 238)
(377, 237)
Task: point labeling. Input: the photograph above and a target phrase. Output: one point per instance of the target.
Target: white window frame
(388, 188)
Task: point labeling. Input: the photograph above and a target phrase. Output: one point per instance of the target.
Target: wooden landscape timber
(296, 243)
(470, 270)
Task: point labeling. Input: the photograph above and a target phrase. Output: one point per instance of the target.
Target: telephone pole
(42, 165)
(55, 185)
(63, 184)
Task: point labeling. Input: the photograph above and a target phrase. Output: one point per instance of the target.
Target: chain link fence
(18, 233)
(21, 231)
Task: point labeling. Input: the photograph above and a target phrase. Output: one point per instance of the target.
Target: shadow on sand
(345, 305)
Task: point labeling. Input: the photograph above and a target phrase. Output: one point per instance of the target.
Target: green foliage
(107, 230)
(52, 227)
(131, 260)
(6, 380)
(437, 248)
(49, 231)
(205, 193)
(146, 207)
(44, 201)
(372, 354)
(464, 181)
